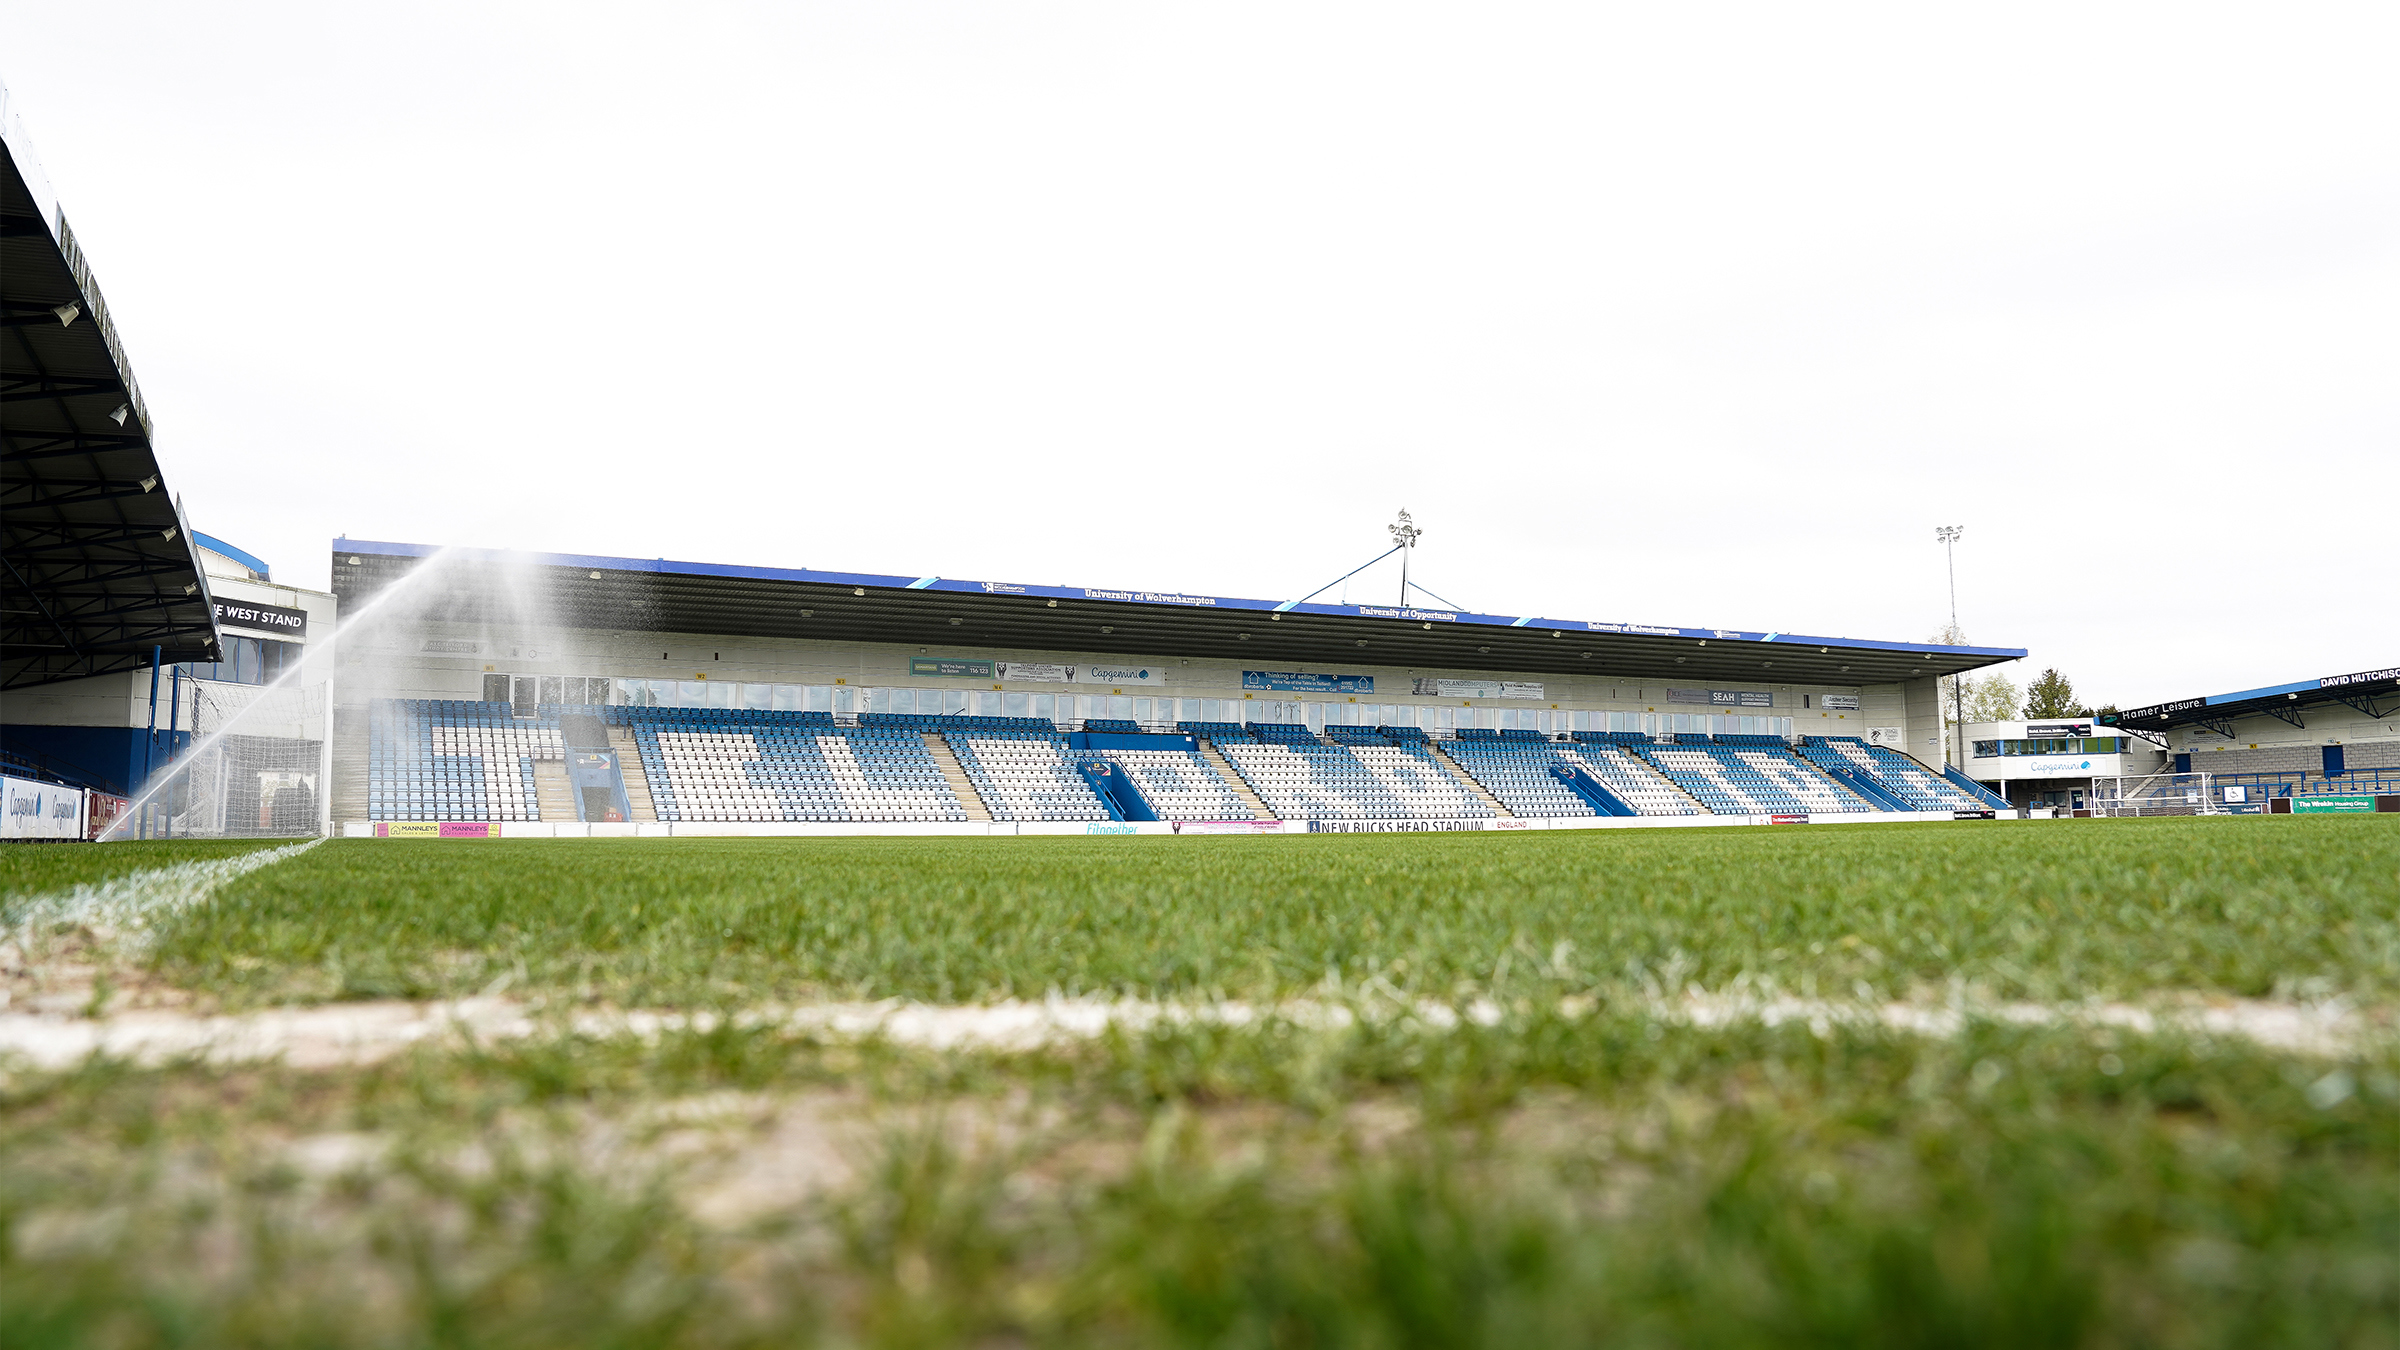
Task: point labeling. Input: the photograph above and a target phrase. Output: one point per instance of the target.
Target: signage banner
(1228, 826)
(1974, 815)
(1476, 689)
(1035, 672)
(1838, 702)
(40, 810)
(2053, 768)
(436, 829)
(1799, 818)
(1895, 738)
(2316, 806)
(950, 667)
(2362, 677)
(1395, 826)
(2158, 710)
(1306, 682)
(1118, 675)
(1723, 698)
(275, 619)
(2042, 731)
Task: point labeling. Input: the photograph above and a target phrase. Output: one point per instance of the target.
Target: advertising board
(950, 667)
(1893, 738)
(1117, 675)
(1723, 698)
(1034, 672)
(1399, 826)
(1838, 702)
(2331, 805)
(1476, 689)
(1307, 682)
(40, 810)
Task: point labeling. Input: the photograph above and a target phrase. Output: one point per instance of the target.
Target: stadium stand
(1902, 778)
(1635, 781)
(708, 764)
(1178, 784)
(1113, 726)
(1518, 773)
(1025, 775)
(1304, 780)
(1748, 777)
(443, 759)
(1219, 732)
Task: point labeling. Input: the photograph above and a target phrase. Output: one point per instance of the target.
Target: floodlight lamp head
(1948, 534)
(1404, 531)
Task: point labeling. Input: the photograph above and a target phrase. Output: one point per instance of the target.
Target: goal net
(2172, 794)
(254, 768)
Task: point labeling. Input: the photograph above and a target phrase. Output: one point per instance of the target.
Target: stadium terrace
(576, 695)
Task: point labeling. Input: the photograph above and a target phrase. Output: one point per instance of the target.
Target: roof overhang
(94, 551)
(2373, 692)
(660, 596)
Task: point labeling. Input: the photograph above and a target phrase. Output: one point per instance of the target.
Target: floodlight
(66, 313)
(118, 416)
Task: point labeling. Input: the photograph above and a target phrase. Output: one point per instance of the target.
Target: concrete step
(947, 760)
(555, 798)
(1233, 779)
(1481, 793)
(629, 767)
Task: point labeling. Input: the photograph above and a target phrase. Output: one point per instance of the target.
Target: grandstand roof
(2373, 692)
(98, 561)
(657, 595)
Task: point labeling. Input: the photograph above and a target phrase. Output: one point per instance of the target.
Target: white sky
(1702, 317)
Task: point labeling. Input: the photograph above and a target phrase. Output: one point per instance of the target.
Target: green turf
(38, 869)
(1548, 1181)
(2250, 906)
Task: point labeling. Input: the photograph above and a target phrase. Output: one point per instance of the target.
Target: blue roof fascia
(242, 556)
(667, 567)
(2302, 687)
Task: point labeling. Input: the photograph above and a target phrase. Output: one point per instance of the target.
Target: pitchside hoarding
(40, 810)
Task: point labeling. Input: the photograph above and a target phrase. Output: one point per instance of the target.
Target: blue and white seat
(1024, 775)
(452, 759)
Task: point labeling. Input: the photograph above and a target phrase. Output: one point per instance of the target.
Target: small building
(2051, 762)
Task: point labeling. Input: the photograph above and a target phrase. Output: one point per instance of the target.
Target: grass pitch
(1583, 1171)
(2063, 910)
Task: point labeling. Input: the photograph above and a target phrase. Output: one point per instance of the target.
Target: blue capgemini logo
(1141, 674)
(2085, 765)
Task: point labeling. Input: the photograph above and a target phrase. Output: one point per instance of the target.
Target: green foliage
(2053, 695)
(1992, 698)
(2041, 909)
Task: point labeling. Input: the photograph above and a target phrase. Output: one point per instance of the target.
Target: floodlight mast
(1947, 537)
(1404, 533)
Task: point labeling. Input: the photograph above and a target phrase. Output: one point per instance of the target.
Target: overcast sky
(1703, 315)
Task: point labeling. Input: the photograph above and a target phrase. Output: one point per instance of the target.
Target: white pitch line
(354, 1033)
(126, 906)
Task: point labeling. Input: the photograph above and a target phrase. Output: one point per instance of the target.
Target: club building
(2051, 764)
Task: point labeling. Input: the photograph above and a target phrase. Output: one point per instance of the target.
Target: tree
(1992, 698)
(2053, 695)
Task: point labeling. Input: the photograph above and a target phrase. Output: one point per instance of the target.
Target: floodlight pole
(1405, 533)
(1948, 536)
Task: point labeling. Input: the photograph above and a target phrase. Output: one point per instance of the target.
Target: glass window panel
(759, 697)
(819, 698)
(1045, 706)
(1141, 710)
(879, 700)
(845, 699)
(787, 697)
(1119, 705)
(721, 693)
(1014, 705)
(691, 694)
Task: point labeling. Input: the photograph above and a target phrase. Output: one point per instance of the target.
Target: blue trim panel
(244, 557)
(666, 567)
